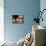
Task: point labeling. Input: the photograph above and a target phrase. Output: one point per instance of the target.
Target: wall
(43, 6)
(1, 20)
(13, 32)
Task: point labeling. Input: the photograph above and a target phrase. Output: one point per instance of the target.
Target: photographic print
(17, 19)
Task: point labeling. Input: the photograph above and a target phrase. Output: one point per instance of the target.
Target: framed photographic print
(17, 19)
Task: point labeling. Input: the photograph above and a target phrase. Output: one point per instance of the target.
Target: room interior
(15, 32)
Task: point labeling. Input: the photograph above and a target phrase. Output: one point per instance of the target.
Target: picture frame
(17, 19)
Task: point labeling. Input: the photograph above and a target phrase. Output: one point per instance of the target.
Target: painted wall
(43, 6)
(1, 20)
(28, 8)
